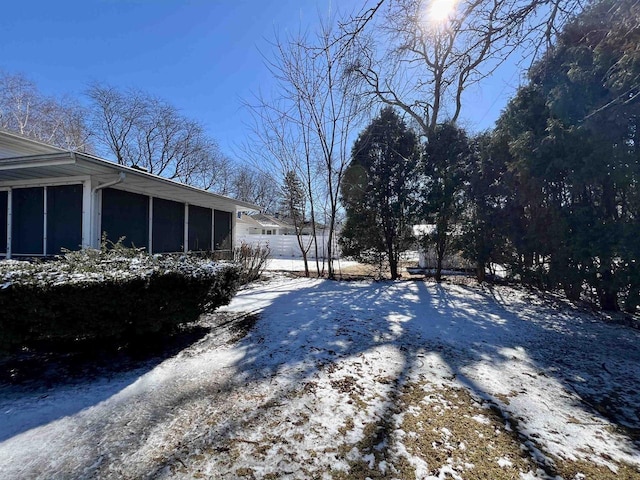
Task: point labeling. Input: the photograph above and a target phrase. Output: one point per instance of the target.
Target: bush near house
(110, 294)
(252, 261)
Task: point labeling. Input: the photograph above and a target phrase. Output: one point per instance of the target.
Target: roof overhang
(46, 160)
(63, 164)
(12, 144)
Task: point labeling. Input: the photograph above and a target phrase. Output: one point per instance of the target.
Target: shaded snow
(325, 360)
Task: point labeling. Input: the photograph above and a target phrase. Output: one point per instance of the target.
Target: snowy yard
(403, 380)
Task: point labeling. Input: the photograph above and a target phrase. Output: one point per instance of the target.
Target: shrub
(107, 294)
(252, 260)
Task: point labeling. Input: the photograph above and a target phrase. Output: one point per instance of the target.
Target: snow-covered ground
(297, 264)
(347, 380)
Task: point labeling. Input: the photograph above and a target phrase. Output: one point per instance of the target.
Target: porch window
(125, 214)
(64, 218)
(168, 226)
(27, 221)
(222, 230)
(199, 228)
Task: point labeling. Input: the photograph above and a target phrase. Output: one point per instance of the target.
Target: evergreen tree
(377, 191)
(594, 98)
(442, 183)
(293, 205)
(293, 199)
(574, 147)
(482, 238)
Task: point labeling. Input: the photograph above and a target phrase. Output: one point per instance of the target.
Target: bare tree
(114, 117)
(64, 123)
(320, 105)
(19, 98)
(25, 110)
(254, 186)
(422, 56)
(145, 131)
(280, 145)
(212, 170)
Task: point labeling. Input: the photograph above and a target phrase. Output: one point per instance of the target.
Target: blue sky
(204, 57)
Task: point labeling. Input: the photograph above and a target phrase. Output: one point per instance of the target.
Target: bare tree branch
(409, 60)
(24, 110)
(308, 126)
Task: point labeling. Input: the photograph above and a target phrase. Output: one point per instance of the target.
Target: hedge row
(103, 295)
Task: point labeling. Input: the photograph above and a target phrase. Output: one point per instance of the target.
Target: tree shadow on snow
(309, 329)
(595, 364)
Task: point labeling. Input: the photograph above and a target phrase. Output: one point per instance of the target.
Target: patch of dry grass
(447, 430)
(442, 430)
(424, 429)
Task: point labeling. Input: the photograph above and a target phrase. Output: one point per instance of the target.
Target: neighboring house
(279, 234)
(261, 224)
(53, 199)
(425, 258)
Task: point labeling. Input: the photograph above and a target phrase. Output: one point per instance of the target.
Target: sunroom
(52, 199)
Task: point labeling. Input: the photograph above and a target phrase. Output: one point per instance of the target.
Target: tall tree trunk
(330, 273)
(607, 290)
(303, 248)
(442, 225)
(438, 275)
(572, 290)
(480, 271)
(608, 300)
(393, 261)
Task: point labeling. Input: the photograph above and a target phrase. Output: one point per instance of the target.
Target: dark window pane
(27, 221)
(125, 214)
(64, 218)
(199, 228)
(222, 230)
(168, 226)
(4, 196)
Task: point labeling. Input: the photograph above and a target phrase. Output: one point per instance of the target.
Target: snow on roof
(269, 221)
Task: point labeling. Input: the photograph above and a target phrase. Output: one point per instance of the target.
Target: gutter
(94, 223)
(120, 179)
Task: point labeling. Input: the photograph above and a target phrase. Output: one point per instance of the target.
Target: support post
(150, 224)
(44, 220)
(185, 247)
(86, 214)
(9, 222)
(213, 229)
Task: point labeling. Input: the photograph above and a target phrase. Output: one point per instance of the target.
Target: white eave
(10, 143)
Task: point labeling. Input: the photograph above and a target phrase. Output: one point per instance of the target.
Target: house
(53, 199)
(279, 234)
(261, 224)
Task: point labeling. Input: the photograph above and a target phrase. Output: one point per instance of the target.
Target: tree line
(551, 193)
(417, 56)
(133, 128)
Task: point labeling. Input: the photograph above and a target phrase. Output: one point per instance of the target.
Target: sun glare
(438, 11)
